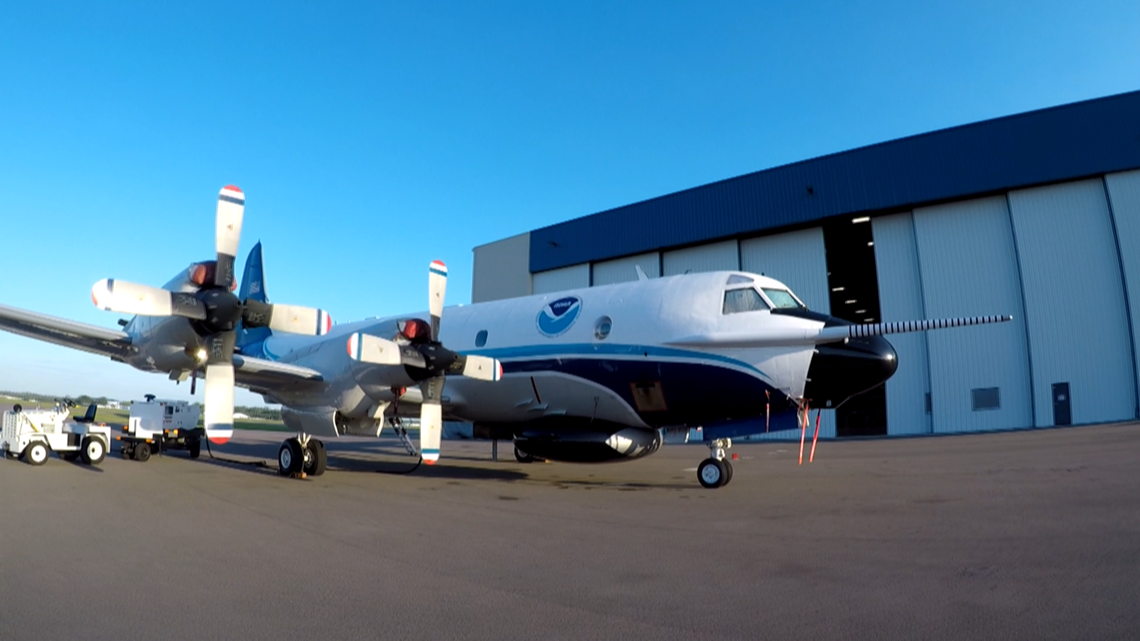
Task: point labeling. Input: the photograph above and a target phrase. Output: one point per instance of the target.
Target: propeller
(426, 359)
(214, 311)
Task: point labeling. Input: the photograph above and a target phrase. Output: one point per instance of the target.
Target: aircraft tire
(317, 461)
(728, 471)
(36, 453)
(290, 458)
(523, 458)
(93, 450)
(712, 473)
(142, 452)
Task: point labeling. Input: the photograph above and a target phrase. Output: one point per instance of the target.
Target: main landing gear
(302, 456)
(716, 471)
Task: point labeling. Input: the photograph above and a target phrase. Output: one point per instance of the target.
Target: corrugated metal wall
(1124, 198)
(1074, 300)
(501, 269)
(557, 280)
(967, 262)
(798, 260)
(623, 270)
(702, 258)
(900, 299)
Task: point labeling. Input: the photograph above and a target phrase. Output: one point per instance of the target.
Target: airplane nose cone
(839, 371)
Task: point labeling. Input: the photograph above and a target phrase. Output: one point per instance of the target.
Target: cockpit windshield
(782, 298)
(744, 299)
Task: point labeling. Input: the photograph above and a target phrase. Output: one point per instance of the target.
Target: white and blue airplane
(589, 375)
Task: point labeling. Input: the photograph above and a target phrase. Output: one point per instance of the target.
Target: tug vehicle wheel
(94, 450)
(36, 453)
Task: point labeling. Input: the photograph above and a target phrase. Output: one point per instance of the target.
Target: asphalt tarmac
(1019, 535)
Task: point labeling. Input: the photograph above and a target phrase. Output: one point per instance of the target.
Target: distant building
(240, 415)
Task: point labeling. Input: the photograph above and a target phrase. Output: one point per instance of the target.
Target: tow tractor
(32, 435)
(157, 425)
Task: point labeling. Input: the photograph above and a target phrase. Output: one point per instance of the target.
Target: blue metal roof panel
(1050, 145)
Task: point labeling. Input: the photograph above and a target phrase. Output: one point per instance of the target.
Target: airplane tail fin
(253, 287)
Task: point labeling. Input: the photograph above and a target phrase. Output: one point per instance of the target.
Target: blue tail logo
(559, 316)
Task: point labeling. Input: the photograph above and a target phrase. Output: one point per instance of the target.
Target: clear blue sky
(373, 137)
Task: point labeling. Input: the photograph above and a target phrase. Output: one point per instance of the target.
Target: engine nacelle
(580, 440)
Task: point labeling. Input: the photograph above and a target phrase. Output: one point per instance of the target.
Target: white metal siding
(624, 270)
(502, 269)
(1124, 196)
(797, 259)
(968, 267)
(900, 299)
(558, 280)
(1074, 300)
(703, 258)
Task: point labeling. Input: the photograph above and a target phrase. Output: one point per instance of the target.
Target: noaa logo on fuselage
(559, 316)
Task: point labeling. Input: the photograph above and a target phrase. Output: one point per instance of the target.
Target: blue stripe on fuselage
(697, 387)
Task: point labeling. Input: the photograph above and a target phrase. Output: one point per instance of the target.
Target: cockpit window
(782, 298)
(744, 299)
(737, 279)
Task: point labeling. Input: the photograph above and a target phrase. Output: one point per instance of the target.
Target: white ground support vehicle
(33, 434)
(157, 425)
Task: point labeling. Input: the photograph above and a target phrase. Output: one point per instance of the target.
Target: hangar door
(798, 260)
(702, 258)
(1074, 301)
(558, 280)
(624, 270)
(900, 299)
(979, 376)
(1124, 201)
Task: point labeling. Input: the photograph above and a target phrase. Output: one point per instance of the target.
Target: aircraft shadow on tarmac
(361, 459)
(390, 458)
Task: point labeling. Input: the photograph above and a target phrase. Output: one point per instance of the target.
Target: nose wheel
(716, 471)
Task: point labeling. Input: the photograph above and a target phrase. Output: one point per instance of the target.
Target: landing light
(201, 354)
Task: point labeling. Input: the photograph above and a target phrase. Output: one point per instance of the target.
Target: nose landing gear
(716, 471)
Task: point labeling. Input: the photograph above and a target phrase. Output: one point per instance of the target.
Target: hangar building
(1036, 215)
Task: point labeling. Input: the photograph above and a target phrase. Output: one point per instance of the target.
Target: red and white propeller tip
(374, 350)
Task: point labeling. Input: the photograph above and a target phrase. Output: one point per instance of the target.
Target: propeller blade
(431, 419)
(293, 319)
(219, 418)
(219, 403)
(483, 368)
(367, 348)
(231, 209)
(437, 287)
(131, 298)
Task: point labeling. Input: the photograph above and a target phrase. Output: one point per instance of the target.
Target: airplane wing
(89, 338)
(259, 373)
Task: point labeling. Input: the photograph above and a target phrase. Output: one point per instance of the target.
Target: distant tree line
(83, 400)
